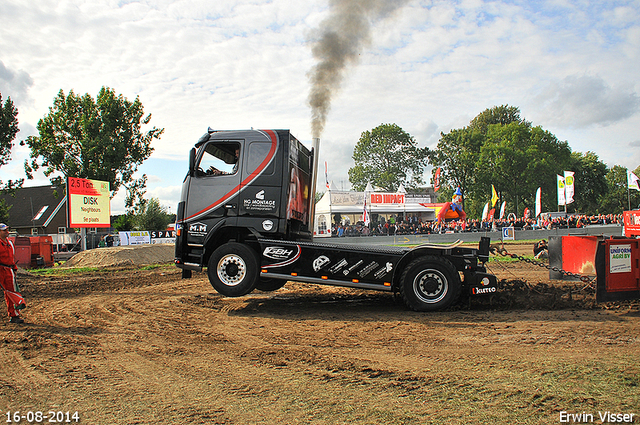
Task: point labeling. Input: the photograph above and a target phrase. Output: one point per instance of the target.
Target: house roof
(35, 206)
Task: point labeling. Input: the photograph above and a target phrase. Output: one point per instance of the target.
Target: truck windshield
(219, 158)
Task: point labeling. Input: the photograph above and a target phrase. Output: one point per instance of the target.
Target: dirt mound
(134, 255)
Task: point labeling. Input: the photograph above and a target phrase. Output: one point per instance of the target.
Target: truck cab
(241, 186)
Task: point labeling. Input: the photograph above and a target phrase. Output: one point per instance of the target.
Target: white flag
(632, 180)
(326, 175)
(538, 201)
(569, 186)
(365, 213)
(485, 211)
(561, 198)
(504, 204)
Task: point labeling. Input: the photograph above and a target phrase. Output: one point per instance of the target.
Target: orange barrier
(575, 254)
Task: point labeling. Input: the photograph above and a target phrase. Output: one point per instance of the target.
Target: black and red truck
(246, 214)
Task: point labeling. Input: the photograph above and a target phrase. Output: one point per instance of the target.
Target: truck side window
(219, 158)
(258, 151)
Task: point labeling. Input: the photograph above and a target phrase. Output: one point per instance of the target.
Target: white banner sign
(134, 238)
(561, 198)
(619, 258)
(163, 236)
(569, 186)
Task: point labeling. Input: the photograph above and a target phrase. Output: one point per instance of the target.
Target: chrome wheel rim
(430, 286)
(231, 269)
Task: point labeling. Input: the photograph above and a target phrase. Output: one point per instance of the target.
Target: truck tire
(233, 269)
(429, 283)
(268, 285)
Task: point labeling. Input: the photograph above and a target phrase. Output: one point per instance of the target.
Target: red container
(22, 247)
(41, 251)
(618, 264)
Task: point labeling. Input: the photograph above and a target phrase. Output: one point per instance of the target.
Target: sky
(571, 66)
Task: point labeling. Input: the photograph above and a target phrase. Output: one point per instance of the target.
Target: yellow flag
(494, 196)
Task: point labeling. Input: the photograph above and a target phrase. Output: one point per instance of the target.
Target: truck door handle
(230, 206)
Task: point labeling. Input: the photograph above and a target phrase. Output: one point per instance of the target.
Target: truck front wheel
(233, 269)
(429, 283)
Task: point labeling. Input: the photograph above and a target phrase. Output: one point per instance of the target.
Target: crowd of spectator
(414, 225)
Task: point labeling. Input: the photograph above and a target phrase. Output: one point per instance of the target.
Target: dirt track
(131, 346)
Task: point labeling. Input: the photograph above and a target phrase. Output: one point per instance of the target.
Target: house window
(34, 230)
(62, 230)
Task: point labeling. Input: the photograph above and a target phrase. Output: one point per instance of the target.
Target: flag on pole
(436, 180)
(538, 201)
(494, 196)
(326, 175)
(365, 213)
(632, 180)
(485, 212)
(561, 198)
(569, 186)
(504, 204)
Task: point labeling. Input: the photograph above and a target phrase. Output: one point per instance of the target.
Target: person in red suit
(8, 269)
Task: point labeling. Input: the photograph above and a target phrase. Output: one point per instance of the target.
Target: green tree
(99, 139)
(616, 200)
(457, 154)
(500, 148)
(548, 157)
(387, 156)
(502, 161)
(590, 182)
(503, 115)
(8, 131)
(152, 216)
(618, 197)
(124, 222)
(517, 159)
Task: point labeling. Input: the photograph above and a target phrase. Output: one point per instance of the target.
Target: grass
(59, 271)
(508, 259)
(158, 266)
(65, 271)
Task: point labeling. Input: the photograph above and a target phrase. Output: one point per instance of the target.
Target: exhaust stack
(312, 208)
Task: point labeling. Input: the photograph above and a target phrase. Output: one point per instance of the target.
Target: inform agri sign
(89, 203)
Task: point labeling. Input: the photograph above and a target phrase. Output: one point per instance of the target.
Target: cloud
(234, 64)
(15, 84)
(582, 101)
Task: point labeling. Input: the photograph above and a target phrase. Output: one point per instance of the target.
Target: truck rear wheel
(233, 269)
(429, 283)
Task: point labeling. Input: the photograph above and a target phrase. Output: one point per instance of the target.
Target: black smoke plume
(338, 43)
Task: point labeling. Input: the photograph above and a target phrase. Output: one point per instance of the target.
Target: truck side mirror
(192, 162)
